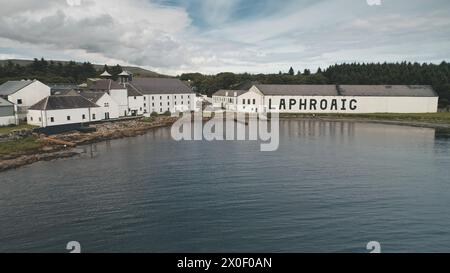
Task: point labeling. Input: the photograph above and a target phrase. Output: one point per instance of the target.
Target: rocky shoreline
(62, 145)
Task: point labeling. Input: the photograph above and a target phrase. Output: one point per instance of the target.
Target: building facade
(8, 114)
(337, 99)
(24, 94)
(62, 110)
(161, 95)
(107, 107)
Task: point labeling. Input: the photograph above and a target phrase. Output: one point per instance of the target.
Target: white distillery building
(62, 110)
(164, 94)
(24, 94)
(8, 113)
(136, 104)
(118, 93)
(108, 108)
(338, 99)
(228, 99)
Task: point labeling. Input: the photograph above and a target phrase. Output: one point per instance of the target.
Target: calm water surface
(331, 187)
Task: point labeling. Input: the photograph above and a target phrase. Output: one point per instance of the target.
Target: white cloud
(374, 2)
(304, 34)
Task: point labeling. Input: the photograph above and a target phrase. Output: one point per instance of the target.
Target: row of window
(249, 101)
(168, 97)
(52, 119)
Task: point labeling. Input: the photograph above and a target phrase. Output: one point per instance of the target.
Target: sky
(212, 36)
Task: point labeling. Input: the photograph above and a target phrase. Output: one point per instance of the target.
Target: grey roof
(347, 90)
(297, 90)
(387, 90)
(4, 102)
(63, 102)
(11, 87)
(64, 92)
(92, 96)
(160, 86)
(132, 91)
(106, 85)
(223, 93)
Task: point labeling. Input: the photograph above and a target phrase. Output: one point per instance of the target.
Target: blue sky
(210, 36)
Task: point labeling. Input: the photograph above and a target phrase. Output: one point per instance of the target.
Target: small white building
(62, 110)
(8, 114)
(136, 104)
(118, 93)
(335, 99)
(237, 100)
(24, 94)
(108, 108)
(162, 95)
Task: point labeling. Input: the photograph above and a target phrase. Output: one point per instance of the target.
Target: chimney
(226, 94)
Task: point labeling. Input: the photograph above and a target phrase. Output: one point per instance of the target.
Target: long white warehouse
(331, 99)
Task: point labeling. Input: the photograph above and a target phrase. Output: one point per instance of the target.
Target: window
(189, 97)
(181, 97)
(40, 119)
(153, 98)
(134, 97)
(160, 97)
(160, 104)
(175, 103)
(83, 117)
(168, 103)
(145, 104)
(106, 104)
(168, 97)
(140, 109)
(254, 101)
(93, 116)
(243, 101)
(19, 101)
(31, 118)
(68, 117)
(175, 97)
(153, 104)
(248, 101)
(160, 110)
(145, 98)
(52, 119)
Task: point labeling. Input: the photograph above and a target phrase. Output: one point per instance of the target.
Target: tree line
(436, 75)
(54, 72)
(404, 73)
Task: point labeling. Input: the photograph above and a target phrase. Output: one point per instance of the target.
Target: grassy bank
(21, 145)
(428, 117)
(8, 129)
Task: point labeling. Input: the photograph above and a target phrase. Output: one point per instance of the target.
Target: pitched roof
(105, 74)
(132, 91)
(160, 86)
(223, 93)
(347, 90)
(106, 85)
(297, 90)
(92, 96)
(63, 102)
(4, 102)
(11, 87)
(387, 90)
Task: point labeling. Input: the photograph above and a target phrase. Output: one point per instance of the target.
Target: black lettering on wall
(334, 104)
(353, 104)
(344, 107)
(303, 104)
(270, 105)
(292, 102)
(323, 104)
(282, 104)
(313, 104)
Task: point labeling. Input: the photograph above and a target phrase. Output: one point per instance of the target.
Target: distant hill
(137, 71)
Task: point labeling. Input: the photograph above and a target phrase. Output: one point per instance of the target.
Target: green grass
(427, 117)
(20, 145)
(8, 129)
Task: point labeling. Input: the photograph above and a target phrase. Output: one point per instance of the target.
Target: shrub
(153, 114)
(167, 113)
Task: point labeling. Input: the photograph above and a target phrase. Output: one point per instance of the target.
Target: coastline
(63, 145)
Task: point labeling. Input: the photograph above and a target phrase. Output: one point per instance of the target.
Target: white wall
(44, 118)
(29, 95)
(120, 96)
(136, 103)
(8, 120)
(343, 104)
(174, 102)
(107, 105)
